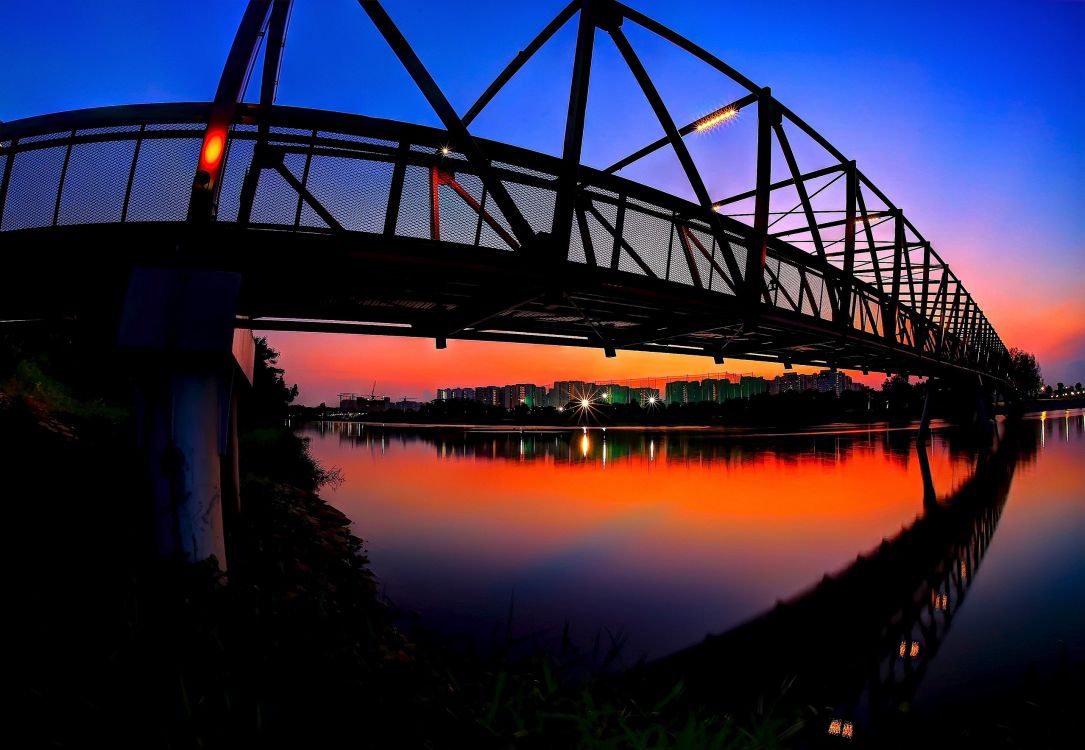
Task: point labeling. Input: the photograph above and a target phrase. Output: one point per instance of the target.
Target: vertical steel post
(846, 294)
(758, 242)
(894, 292)
(231, 88)
(434, 206)
(565, 202)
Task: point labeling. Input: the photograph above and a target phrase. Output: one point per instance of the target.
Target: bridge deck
(348, 223)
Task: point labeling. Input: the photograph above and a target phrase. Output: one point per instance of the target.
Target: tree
(1025, 372)
(270, 396)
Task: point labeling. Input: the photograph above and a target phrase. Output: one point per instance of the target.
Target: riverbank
(294, 646)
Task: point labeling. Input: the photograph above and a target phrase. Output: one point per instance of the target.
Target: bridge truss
(347, 223)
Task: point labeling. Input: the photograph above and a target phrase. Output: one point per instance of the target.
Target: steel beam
(846, 292)
(452, 122)
(685, 130)
(521, 58)
(568, 178)
(231, 88)
(757, 244)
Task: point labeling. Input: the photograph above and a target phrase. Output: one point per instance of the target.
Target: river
(661, 537)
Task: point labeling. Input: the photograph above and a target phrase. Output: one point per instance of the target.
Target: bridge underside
(372, 284)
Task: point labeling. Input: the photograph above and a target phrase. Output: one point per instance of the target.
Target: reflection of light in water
(604, 453)
(911, 650)
(838, 728)
(584, 444)
(651, 450)
(939, 601)
(964, 569)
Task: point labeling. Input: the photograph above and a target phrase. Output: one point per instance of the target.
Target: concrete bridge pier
(189, 363)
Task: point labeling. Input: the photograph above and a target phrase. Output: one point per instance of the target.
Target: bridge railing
(318, 171)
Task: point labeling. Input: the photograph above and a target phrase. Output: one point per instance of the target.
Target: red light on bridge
(213, 145)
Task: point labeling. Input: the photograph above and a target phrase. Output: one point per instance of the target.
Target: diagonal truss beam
(274, 42)
(521, 58)
(685, 130)
(675, 138)
(697, 51)
(800, 188)
(782, 183)
(664, 117)
(452, 122)
(620, 242)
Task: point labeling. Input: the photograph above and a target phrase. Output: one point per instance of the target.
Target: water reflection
(668, 535)
(861, 641)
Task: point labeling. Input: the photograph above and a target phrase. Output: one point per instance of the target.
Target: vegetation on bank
(294, 647)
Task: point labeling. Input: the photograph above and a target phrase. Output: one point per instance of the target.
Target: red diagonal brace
(442, 177)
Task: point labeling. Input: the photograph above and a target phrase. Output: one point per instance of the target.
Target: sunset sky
(969, 115)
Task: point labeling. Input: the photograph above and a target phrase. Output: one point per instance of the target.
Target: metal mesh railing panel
(458, 221)
(704, 266)
(535, 203)
(790, 282)
(32, 191)
(413, 220)
(647, 235)
(808, 303)
(355, 138)
(95, 182)
(355, 191)
(59, 135)
(238, 160)
(601, 239)
(488, 237)
(577, 253)
(276, 202)
(109, 130)
(163, 181)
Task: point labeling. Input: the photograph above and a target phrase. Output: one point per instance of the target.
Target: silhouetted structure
(341, 222)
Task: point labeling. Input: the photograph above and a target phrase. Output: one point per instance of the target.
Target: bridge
(193, 223)
(415, 231)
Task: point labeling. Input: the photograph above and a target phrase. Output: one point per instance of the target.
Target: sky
(969, 115)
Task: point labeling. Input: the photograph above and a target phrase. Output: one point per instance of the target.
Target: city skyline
(715, 387)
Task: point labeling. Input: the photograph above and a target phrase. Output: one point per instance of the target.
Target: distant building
(835, 382)
(523, 393)
(363, 404)
(565, 391)
(489, 395)
(644, 396)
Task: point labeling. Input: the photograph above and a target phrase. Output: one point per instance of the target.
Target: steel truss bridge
(347, 223)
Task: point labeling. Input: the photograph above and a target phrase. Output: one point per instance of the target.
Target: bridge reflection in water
(859, 642)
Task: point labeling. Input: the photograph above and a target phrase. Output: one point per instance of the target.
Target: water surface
(667, 536)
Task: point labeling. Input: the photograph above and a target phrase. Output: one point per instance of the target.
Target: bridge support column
(189, 363)
(930, 497)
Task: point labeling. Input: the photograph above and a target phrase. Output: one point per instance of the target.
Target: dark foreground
(297, 648)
